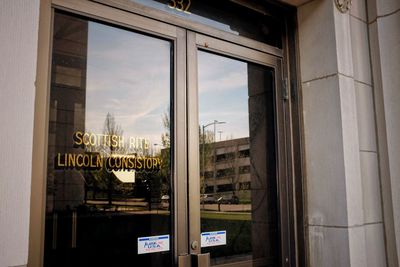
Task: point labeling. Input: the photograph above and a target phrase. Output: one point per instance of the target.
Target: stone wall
(383, 20)
(19, 20)
(345, 222)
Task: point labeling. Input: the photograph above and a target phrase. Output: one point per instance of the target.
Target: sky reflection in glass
(128, 75)
(223, 93)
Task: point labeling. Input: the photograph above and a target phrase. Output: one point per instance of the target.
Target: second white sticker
(211, 239)
(152, 244)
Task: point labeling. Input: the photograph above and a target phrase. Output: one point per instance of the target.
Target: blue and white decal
(152, 244)
(211, 239)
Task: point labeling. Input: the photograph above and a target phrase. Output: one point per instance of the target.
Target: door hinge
(285, 93)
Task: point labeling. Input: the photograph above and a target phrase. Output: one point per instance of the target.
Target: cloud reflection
(223, 94)
(128, 75)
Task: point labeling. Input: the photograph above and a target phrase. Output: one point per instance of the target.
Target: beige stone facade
(349, 115)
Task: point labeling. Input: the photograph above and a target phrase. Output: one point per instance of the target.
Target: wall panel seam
(344, 226)
(384, 16)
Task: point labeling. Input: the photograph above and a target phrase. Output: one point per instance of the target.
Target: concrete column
(384, 36)
(333, 82)
(19, 21)
(371, 194)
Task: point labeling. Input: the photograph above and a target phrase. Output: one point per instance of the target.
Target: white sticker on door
(211, 239)
(152, 244)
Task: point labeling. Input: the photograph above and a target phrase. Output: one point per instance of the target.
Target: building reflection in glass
(109, 174)
(238, 172)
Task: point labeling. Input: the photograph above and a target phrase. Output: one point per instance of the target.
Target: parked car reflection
(207, 199)
(165, 202)
(228, 200)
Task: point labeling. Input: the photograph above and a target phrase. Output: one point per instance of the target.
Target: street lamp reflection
(214, 123)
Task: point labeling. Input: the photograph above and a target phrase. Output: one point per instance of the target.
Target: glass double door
(163, 149)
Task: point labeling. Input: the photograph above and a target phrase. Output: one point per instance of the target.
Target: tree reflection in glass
(109, 138)
(237, 172)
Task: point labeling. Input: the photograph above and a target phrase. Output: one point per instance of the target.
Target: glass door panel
(109, 147)
(141, 171)
(238, 175)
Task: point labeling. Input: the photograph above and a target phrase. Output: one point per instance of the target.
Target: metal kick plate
(184, 261)
(201, 260)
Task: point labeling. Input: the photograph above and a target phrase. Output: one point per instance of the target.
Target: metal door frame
(117, 18)
(126, 14)
(197, 42)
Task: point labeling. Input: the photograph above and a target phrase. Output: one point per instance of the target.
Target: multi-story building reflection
(67, 109)
(228, 174)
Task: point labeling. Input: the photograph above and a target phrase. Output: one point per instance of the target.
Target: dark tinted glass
(109, 167)
(256, 20)
(239, 220)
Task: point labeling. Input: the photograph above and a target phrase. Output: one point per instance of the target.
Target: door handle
(201, 260)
